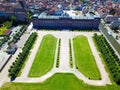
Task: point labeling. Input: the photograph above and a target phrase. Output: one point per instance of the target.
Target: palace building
(69, 19)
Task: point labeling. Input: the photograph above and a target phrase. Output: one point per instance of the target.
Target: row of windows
(66, 24)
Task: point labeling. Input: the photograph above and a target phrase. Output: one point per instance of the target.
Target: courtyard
(40, 69)
(43, 62)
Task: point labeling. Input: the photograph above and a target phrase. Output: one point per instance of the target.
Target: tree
(29, 15)
(13, 18)
(115, 28)
(118, 79)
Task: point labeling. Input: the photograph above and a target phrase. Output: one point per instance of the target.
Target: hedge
(70, 53)
(58, 54)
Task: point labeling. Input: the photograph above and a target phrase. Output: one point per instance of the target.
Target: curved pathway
(64, 59)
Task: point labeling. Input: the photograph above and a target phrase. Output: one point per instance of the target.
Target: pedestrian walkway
(64, 53)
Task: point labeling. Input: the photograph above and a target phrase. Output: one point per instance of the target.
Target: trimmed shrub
(58, 54)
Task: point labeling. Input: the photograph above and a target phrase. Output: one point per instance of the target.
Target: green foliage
(84, 58)
(59, 81)
(29, 15)
(13, 18)
(109, 56)
(70, 53)
(5, 38)
(17, 35)
(8, 24)
(5, 26)
(58, 54)
(44, 58)
(16, 66)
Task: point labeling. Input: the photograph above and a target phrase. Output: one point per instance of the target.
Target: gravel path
(64, 53)
(64, 59)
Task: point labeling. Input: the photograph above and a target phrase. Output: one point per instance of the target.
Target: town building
(16, 8)
(111, 18)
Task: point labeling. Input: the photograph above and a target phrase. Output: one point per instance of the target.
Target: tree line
(111, 59)
(16, 66)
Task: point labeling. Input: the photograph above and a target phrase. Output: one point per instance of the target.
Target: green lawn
(44, 59)
(70, 82)
(84, 58)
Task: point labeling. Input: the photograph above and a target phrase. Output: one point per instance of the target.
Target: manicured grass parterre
(44, 59)
(84, 58)
(59, 81)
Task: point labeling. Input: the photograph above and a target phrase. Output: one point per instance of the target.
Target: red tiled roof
(7, 32)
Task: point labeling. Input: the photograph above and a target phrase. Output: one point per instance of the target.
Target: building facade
(66, 23)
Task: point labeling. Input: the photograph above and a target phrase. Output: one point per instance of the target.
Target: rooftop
(7, 32)
(67, 14)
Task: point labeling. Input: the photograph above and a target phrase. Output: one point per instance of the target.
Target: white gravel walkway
(64, 53)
